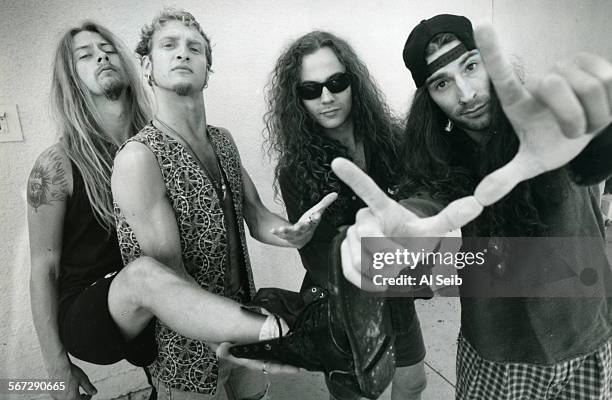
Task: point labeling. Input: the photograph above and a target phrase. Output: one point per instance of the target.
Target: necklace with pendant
(220, 187)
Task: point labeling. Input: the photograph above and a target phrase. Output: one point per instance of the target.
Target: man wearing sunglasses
(477, 138)
(324, 104)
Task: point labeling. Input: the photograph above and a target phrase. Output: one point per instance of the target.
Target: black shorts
(89, 333)
(409, 345)
(409, 348)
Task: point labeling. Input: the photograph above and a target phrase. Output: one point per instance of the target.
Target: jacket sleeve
(314, 254)
(291, 197)
(594, 163)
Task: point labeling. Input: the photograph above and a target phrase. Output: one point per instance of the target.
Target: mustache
(474, 105)
(105, 67)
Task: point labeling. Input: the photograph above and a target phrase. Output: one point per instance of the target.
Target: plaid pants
(587, 377)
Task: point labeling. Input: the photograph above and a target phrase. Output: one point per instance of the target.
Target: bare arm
(270, 228)
(259, 219)
(49, 185)
(138, 189)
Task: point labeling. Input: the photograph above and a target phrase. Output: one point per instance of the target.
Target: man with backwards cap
(481, 137)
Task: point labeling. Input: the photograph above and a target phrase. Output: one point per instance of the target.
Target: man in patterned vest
(181, 196)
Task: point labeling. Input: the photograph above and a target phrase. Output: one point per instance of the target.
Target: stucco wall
(247, 38)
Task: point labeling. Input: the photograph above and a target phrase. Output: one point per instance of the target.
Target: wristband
(272, 328)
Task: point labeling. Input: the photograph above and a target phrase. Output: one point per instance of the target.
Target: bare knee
(142, 278)
(131, 294)
(409, 382)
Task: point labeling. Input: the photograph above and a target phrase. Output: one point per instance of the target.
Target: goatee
(113, 89)
(183, 89)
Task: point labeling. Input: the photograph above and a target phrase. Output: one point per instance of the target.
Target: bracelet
(280, 327)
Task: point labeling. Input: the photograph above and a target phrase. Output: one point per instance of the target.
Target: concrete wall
(247, 38)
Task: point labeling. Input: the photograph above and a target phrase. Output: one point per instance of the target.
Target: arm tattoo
(47, 182)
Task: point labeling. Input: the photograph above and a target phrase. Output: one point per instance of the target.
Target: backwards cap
(421, 35)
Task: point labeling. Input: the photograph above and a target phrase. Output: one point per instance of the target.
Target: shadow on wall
(18, 331)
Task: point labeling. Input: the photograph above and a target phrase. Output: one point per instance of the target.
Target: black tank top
(89, 252)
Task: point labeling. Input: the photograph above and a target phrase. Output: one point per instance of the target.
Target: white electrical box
(10, 127)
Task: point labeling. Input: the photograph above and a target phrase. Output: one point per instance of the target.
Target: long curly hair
(86, 143)
(303, 148)
(447, 167)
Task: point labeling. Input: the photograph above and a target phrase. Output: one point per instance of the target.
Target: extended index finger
(361, 184)
(507, 85)
(322, 205)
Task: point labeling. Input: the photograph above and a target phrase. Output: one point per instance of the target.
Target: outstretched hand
(301, 232)
(554, 119)
(385, 217)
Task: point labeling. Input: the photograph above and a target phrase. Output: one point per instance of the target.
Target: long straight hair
(86, 143)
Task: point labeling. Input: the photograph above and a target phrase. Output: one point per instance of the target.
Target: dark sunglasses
(335, 84)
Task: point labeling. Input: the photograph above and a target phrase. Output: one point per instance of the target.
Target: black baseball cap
(421, 35)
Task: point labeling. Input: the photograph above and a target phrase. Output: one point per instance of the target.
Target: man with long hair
(182, 197)
(98, 103)
(324, 104)
(476, 130)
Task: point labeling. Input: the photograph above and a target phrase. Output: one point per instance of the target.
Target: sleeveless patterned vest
(182, 363)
